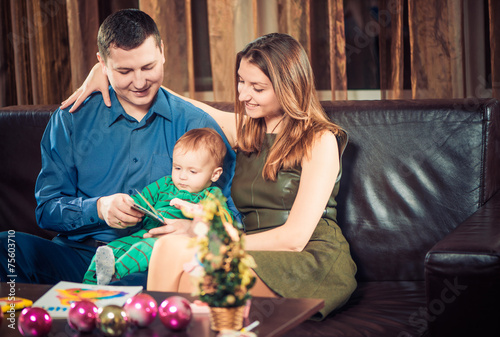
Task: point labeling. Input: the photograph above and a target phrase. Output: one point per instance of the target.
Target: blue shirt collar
(160, 107)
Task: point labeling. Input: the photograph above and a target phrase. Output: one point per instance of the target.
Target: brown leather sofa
(419, 205)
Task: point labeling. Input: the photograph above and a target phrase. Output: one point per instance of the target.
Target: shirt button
(135, 160)
(92, 219)
(130, 192)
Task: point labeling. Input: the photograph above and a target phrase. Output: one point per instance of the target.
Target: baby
(197, 163)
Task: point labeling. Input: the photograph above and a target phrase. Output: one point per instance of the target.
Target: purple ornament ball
(141, 309)
(34, 322)
(82, 316)
(175, 312)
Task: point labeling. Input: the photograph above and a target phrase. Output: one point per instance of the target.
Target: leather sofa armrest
(462, 276)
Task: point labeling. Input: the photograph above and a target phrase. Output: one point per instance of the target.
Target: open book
(153, 213)
(57, 300)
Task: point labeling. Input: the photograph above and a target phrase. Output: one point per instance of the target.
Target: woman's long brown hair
(283, 60)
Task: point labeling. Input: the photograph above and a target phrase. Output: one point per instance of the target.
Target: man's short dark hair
(126, 29)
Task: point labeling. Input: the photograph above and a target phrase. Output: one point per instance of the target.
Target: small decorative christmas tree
(222, 274)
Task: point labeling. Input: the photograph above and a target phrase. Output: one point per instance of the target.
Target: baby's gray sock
(104, 265)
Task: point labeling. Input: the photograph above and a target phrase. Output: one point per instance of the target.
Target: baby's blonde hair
(203, 139)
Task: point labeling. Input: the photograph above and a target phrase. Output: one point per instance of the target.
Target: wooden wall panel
(494, 13)
(83, 25)
(391, 48)
(266, 17)
(50, 45)
(7, 75)
(245, 30)
(190, 50)
(436, 47)
(49, 52)
(294, 19)
(222, 47)
(338, 76)
(112, 6)
(170, 17)
(21, 33)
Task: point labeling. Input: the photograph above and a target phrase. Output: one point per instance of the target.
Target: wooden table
(276, 315)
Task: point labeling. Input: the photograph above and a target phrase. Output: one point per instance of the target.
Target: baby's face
(193, 171)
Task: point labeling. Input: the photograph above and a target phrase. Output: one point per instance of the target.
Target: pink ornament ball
(82, 316)
(141, 310)
(34, 322)
(175, 313)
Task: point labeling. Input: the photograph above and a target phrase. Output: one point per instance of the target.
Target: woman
(286, 179)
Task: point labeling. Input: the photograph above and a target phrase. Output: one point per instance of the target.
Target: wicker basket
(222, 318)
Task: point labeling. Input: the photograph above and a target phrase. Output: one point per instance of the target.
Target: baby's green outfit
(132, 253)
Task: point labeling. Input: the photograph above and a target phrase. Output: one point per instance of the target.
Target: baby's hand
(189, 209)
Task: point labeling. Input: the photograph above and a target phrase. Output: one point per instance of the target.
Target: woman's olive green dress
(324, 269)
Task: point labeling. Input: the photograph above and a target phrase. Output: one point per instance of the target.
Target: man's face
(136, 75)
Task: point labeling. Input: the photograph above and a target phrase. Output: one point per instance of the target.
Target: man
(95, 158)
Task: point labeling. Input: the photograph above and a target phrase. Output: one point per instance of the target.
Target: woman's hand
(177, 226)
(95, 81)
(172, 226)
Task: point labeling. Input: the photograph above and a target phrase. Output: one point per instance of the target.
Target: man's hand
(117, 211)
(172, 226)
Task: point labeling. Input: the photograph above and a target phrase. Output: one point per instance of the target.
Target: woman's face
(256, 91)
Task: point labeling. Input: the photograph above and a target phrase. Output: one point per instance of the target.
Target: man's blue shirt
(98, 151)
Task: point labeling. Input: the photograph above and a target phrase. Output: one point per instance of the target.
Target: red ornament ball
(82, 316)
(141, 309)
(175, 312)
(34, 322)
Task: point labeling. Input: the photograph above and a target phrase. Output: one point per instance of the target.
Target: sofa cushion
(412, 171)
(21, 129)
